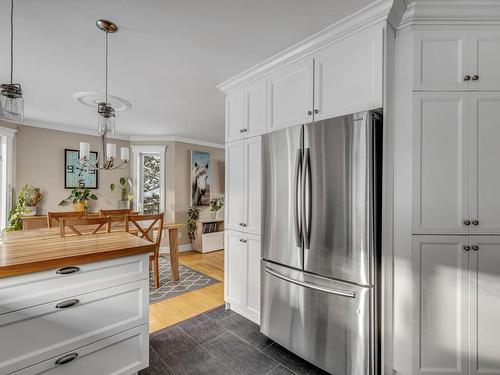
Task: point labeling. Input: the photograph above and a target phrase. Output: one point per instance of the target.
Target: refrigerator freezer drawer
(329, 323)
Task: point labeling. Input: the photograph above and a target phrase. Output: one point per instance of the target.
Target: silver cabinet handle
(243, 240)
(475, 77)
(316, 111)
(467, 78)
(309, 113)
(66, 304)
(343, 293)
(67, 270)
(466, 248)
(467, 222)
(475, 222)
(66, 359)
(307, 198)
(475, 247)
(297, 192)
(242, 224)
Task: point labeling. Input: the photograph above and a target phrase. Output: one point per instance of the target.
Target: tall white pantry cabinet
(447, 189)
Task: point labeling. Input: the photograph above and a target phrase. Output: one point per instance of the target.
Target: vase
(80, 206)
(123, 204)
(30, 211)
(213, 215)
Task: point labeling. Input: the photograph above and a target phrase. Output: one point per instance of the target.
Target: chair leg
(156, 271)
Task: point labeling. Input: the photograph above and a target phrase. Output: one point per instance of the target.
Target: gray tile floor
(220, 342)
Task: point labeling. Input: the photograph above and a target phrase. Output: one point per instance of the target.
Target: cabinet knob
(316, 111)
(67, 270)
(466, 248)
(243, 240)
(467, 78)
(242, 224)
(309, 113)
(67, 303)
(467, 222)
(475, 77)
(66, 358)
(475, 222)
(475, 248)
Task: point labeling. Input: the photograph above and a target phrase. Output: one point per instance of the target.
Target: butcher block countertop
(21, 254)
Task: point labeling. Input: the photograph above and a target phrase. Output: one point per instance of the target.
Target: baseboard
(182, 248)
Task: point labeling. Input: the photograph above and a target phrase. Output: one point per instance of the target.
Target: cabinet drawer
(34, 334)
(23, 291)
(122, 354)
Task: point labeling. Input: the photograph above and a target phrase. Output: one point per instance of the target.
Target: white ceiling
(166, 58)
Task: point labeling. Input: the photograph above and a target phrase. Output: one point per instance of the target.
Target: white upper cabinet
(440, 158)
(243, 192)
(485, 60)
(441, 60)
(235, 185)
(235, 115)
(348, 75)
(246, 111)
(440, 307)
(290, 95)
(484, 163)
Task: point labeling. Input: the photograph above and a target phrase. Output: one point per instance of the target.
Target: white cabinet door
(256, 104)
(235, 115)
(485, 60)
(235, 263)
(484, 168)
(253, 278)
(441, 60)
(485, 307)
(348, 75)
(253, 169)
(235, 185)
(440, 266)
(440, 158)
(290, 95)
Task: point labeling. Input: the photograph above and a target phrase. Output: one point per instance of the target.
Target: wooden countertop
(20, 255)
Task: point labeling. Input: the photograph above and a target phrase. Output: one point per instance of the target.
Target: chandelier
(11, 94)
(105, 122)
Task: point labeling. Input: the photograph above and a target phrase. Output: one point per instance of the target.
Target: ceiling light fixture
(105, 122)
(11, 94)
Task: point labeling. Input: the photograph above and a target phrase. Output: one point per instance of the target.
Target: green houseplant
(193, 214)
(79, 197)
(215, 205)
(126, 196)
(29, 196)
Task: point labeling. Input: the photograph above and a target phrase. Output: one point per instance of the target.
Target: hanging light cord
(11, 41)
(106, 92)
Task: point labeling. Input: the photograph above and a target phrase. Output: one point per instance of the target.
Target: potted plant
(126, 198)
(193, 214)
(215, 205)
(79, 197)
(26, 204)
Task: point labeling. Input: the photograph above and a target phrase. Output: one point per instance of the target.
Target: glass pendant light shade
(11, 103)
(105, 120)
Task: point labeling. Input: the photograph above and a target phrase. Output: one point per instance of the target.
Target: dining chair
(150, 224)
(95, 224)
(117, 215)
(53, 218)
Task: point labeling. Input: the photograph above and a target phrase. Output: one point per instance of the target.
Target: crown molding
(446, 12)
(160, 139)
(374, 13)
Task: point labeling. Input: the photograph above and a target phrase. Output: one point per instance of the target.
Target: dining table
(117, 226)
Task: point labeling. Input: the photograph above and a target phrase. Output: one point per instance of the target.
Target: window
(6, 159)
(149, 178)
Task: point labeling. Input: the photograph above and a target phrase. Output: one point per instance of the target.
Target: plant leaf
(93, 196)
(112, 187)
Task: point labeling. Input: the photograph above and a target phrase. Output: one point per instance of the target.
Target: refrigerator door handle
(296, 196)
(306, 197)
(343, 293)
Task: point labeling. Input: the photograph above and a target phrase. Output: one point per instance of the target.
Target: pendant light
(105, 121)
(11, 94)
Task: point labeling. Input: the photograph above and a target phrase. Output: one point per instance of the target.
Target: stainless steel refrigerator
(321, 241)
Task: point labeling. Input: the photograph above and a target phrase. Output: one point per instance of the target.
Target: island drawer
(23, 291)
(122, 354)
(37, 333)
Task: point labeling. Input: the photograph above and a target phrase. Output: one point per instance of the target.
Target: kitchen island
(74, 305)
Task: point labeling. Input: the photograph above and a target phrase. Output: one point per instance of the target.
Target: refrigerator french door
(321, 199)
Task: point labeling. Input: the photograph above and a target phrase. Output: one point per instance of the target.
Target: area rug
(190, 280)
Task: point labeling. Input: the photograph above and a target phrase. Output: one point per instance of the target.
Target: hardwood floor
(174, 310)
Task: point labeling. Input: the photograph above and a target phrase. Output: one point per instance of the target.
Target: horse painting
(200, 179)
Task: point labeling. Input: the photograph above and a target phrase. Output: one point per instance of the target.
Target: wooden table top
(35, 254)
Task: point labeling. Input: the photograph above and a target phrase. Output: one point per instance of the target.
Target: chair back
(54, 218)
(116, 215)
(92, 225)
(145, 225)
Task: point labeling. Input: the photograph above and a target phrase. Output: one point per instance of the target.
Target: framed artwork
(75, 174)
(200, 178)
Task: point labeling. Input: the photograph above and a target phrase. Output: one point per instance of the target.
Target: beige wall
(39, 161)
